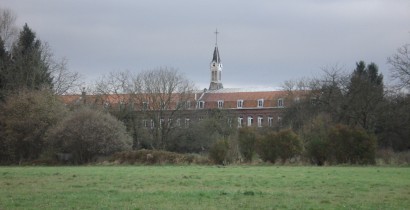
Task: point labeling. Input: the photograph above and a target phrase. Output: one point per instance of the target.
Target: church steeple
(216, 67)
(216, 57)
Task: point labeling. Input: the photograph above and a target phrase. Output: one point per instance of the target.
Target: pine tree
(364, 96)
(30, 68)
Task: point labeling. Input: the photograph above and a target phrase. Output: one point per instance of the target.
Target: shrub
(284, 144)
(351, 145)
(317, 150)
(218, 151)
(247, 141)
(24, 118)
(87, 133)
(316, 139)
(151, 157)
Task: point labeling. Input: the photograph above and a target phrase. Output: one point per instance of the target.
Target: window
(161, 122)
(240, 122)
(260, 103)
(163, 105)
(279, 121)
(188, 105)
(296, 99)
(230, 122)
(152, 124)
(187, 122)
(179, 122)
(169, 122)
(201, 104)
(260, 121)
(106, 105)
(220, 104)
(122, 105)
(270, 121)
(239, 104)
(144, 105)
(250, 120)
(280, 102)
(145, 123)
(313, 100)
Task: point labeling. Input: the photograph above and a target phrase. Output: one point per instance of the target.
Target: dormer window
(220, 104)
(260, 103)
(280, 102)
(188, 105)
(296, 99)
(200, 104)
(144, 105)
(239, 104)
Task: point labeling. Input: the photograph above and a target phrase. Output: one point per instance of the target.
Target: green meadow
(204, 187)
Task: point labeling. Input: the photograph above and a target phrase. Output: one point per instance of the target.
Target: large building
(250, 106)
(259, 107)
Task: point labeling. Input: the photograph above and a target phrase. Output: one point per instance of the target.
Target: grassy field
(204, 187)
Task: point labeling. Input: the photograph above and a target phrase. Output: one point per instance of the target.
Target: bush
(284, 144)
(152, 157)
(219, 151)
(24, 118)
(317, 150)
(86, 134)
(316, 139)
(247, 142)
(351, 145)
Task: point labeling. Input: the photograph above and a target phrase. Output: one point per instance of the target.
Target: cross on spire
(216, 36)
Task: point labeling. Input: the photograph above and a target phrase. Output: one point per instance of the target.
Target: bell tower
(216, 68)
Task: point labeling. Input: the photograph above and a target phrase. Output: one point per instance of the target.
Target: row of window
(259, 122)
(239, 103)
(250, 122)
(220, 104)
(151, 123)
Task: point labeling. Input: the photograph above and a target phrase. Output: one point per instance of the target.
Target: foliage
(155, 157)
(247, 142)
(219, 151)
(25, 117)
(31, 67)
(316, 139)
(284, 144)
(201, 134)
(364, 97)
(394, 123)
(87, 133)
(351, 145)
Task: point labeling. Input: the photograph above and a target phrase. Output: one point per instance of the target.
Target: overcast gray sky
(261, 43)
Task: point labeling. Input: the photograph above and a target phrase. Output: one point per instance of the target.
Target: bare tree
(8, 29)
(163, 93)
(400, 69)
(158, 96)
(64, 81)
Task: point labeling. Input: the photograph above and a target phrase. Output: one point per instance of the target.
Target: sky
(262, 43)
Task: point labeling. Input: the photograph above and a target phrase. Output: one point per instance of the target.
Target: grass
(204, 187)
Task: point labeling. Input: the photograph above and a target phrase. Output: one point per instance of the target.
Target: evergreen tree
(364, 96)
(30, 68)
(4, 61)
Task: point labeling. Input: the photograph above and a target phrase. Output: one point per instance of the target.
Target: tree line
(341, 118)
